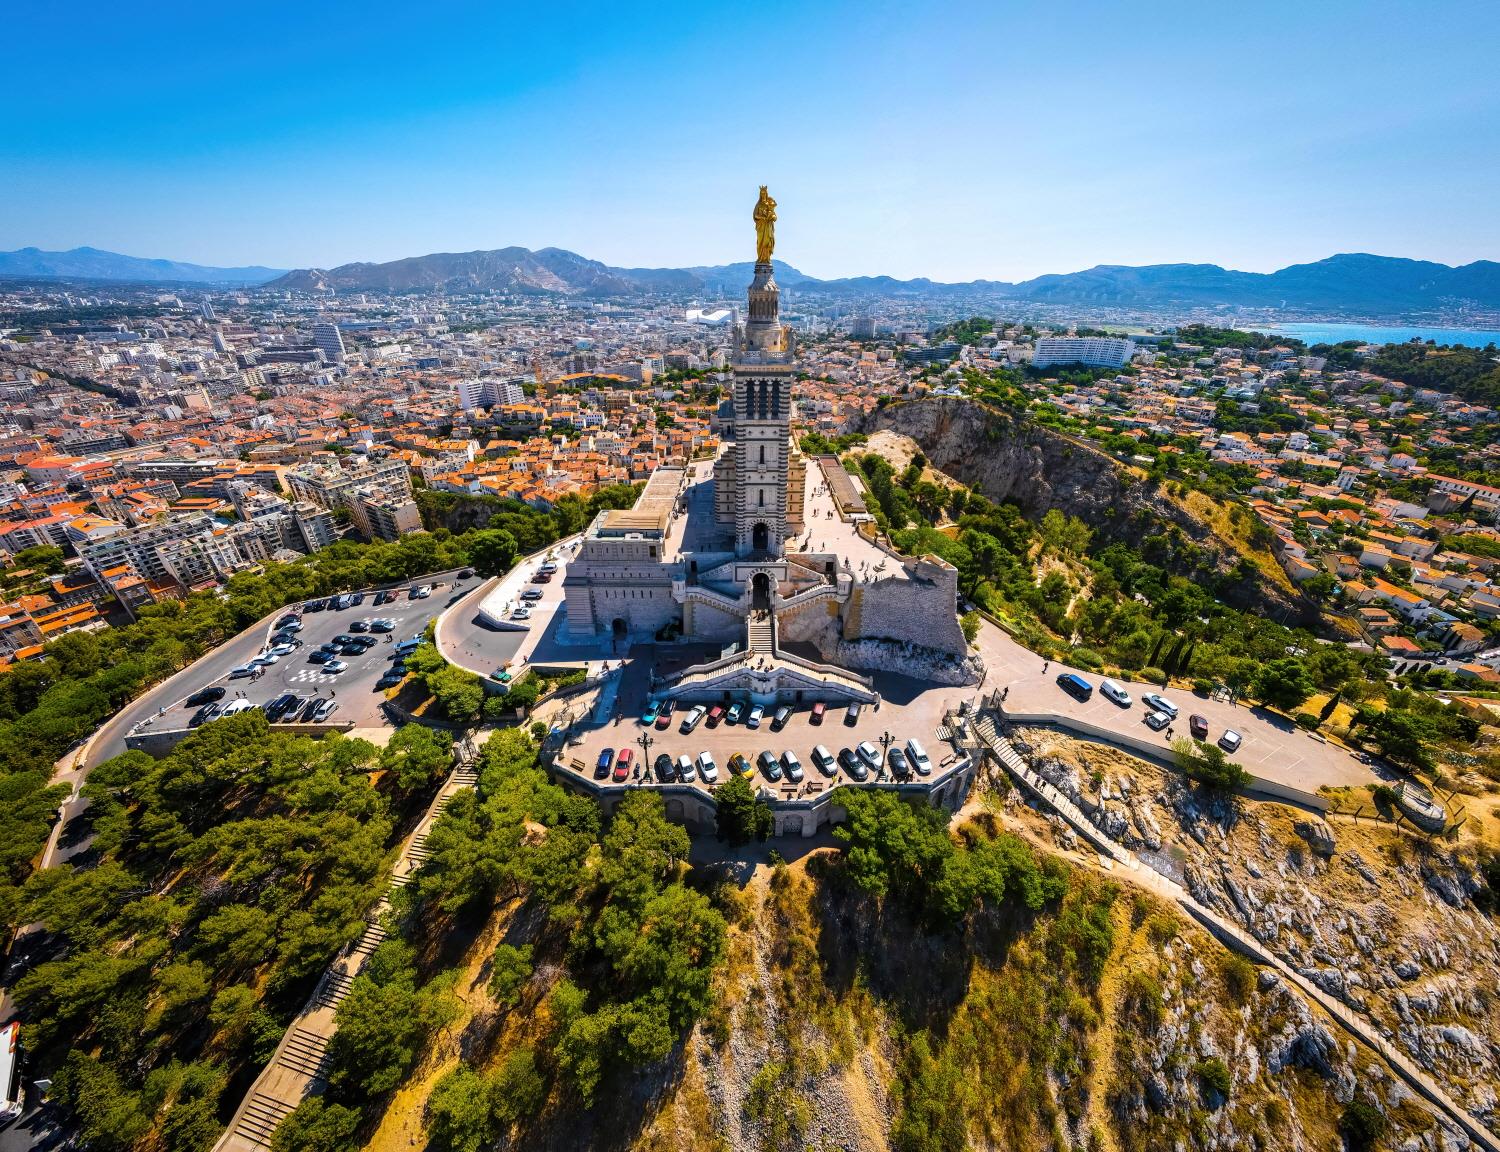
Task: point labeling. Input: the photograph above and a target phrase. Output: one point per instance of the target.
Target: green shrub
(1088, 658)
(1154, 675)
(1361, 1125)
(1307, 720)
(1213, 1075)
(1239, 976)
(1203, 687)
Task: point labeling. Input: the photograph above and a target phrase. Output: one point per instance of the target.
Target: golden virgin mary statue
(765, 227)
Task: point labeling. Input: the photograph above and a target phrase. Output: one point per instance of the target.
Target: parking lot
(906, 712)
(353, 692)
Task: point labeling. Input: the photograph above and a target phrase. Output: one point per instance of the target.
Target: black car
(359, 626)
(204, 696)
(283, 704)
(382, 626)
(319, 657)
(666, 770)
(204, 715)
(852, 764)
(896, 760)
(285, 638)
(851, 714)
(468, 574)
(314, 606)
(390, 680)
(357, 599)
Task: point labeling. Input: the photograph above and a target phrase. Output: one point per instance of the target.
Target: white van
(11, 1093)
(918, 757)
(1115, 692)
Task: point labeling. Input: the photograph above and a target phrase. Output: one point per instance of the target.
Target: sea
(1312, 333)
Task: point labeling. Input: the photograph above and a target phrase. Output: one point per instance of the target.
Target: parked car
(205, 696)
(421, 592)
(918, 757)
(665, 769)
(335, 666)
(314, 606)
(736, 710)
(1075, 686)
(1160, 703)
(869, 754)
(739, 765)
(770, 767)
(707, 768)
(792, 766)
(390, 679)
(648, 717)
(319, 657)
(605, 762)
(687, 771)
(234, 707)
(623, 761)
(241, 672)
(1231, 740)
(715, 714)
(895, 760)
(1111, 690)
(542, 578)
(816, 716)
(382, 625)
(266, 659)
(823, 760)
(501, 676)
(356, 599)
(204, 715)
(753, 720)
(532, 594)
(521, 613)
(548, 568)
(851, 714)
(360, 626)
(288, 620)
(780, 717)
(664, 716)
(325, 710)
(692, 719)
(852, 764)
(1156, 721)
(1198, 726)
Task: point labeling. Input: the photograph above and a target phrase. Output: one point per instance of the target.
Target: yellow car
(739, 765)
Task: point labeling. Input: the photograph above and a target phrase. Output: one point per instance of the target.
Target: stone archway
(760, 537)
(618, 631)
(760, 592)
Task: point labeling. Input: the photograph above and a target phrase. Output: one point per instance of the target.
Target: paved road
(1273, 749)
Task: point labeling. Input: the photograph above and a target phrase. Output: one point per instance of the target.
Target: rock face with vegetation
(1010, 459)
(1397, 926)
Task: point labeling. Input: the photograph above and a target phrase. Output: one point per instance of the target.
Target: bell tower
(762, 371)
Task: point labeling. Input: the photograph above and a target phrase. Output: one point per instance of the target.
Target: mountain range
(1348, 284)
(96, 264)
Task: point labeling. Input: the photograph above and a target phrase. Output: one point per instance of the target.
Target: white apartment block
(1094, 351)
(487, 393)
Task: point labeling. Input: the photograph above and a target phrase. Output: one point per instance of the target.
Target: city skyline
(956, 144)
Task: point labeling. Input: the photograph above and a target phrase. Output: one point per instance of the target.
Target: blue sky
(952, 140)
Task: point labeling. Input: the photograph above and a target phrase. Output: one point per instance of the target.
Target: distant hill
(1348, 284)
(1353, 283)
(95, 264)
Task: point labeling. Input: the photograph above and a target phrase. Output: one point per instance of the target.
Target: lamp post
(886, 739)
(645, 742)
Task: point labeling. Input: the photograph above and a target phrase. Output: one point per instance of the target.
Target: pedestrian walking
(1045, 665)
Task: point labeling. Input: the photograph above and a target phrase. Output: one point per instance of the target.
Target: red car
(664, 715)
(1198, 726)
(622, 764)
(817, 712)
(715, 714)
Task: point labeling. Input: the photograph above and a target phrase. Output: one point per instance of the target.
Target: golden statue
(765, 226)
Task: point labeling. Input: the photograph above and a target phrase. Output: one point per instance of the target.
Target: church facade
(768, 554)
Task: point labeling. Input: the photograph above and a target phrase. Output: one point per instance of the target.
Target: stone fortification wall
(930, 664)
(916, 605)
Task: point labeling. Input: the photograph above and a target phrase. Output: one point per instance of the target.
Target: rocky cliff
(1011, 460)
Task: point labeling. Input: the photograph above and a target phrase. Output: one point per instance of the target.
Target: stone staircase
(761, 634)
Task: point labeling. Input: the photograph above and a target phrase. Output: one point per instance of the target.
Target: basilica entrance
(760, 538)
(760, 592)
